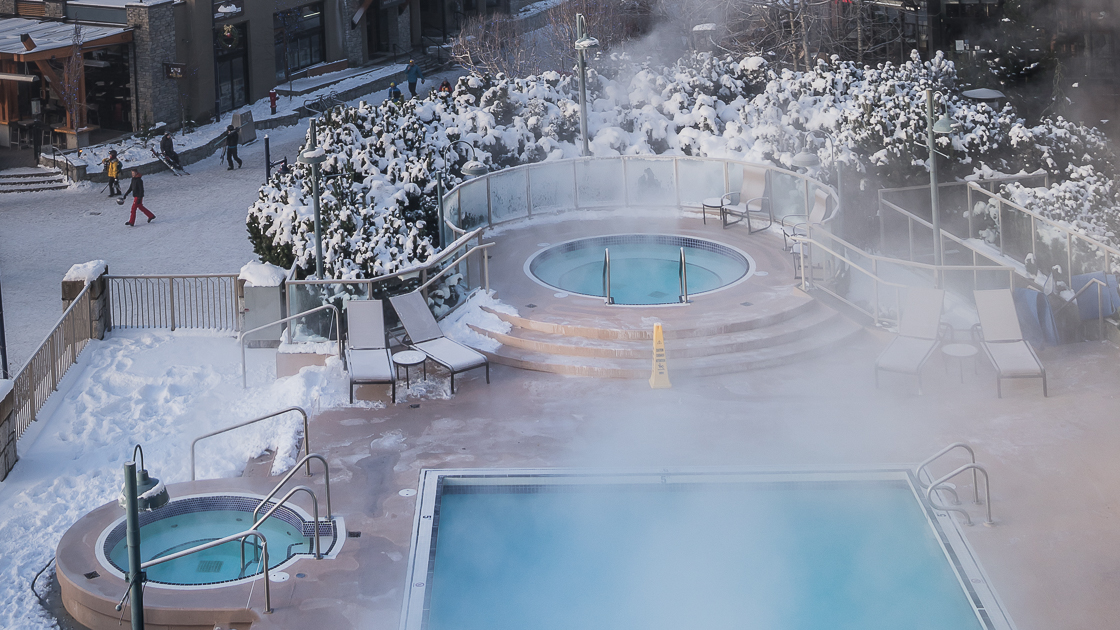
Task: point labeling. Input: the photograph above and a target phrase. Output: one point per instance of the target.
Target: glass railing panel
(1015, 232)
(473, 200)
(650, 182)
(787, 194)
(320, 326)
(509, 198)
(600, 182)
(1051, 249)
(700, 179)
(552, 187)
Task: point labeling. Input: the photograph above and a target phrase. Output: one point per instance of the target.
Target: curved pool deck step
(804, 322)
(824, 339)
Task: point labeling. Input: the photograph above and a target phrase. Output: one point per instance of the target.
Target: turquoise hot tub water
(191, 522)
(819, 555)
(645, 268)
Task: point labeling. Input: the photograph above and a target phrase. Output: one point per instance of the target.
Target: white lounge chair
(919, 328)
(1002, 339)
(751, 200)
(425, 335)
(367, 354)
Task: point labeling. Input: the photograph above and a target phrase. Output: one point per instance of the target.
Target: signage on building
(174, 70)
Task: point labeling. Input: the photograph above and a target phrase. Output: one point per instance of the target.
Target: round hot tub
(191, 521)
(644, 268)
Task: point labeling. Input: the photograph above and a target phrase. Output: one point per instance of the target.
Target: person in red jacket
(136, 189)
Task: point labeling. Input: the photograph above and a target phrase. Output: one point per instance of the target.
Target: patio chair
(797, 224)
(751, 200)
(367, 353)
(425, 335)
(1002, 339)
(919, 333)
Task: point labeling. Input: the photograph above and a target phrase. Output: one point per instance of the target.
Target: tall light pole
(583, 43)
(141, 493)
(942, 126)
(471, 169)
(314, 158)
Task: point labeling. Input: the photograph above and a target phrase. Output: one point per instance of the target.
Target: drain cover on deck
(209, 566)
(91, 575)
(746, 304)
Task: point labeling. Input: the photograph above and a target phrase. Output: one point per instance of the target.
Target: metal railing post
(607, 275)
(684, 279)
(171, 300)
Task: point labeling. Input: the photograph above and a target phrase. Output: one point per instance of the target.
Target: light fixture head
(474, 168)
(943, 125)
(151, 494)
(806, 159)
(586, 43)
(312, 157)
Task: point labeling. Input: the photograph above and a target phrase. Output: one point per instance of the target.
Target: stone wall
(352, 40)
(8, 439)
(99, 315)
(403, 31)
(153, 41)
(7, 7)
(55, 8)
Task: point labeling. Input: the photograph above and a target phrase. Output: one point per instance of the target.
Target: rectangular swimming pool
(568, 550)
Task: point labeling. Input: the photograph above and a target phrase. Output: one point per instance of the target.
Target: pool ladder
(941, 483)
(682, 273)
(257, 519)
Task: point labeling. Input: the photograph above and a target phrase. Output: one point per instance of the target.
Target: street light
(584, 42)
(472, 169)
(140, 493)
(943, 126)
(314, 158)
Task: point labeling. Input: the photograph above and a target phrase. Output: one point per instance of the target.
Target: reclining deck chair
(367, 354)
(751, 200)
(1002, 339)
(919, 328)
(425, 335)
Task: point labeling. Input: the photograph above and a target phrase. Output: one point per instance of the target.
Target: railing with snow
(49, 363)
(174, 301)
(646, 181)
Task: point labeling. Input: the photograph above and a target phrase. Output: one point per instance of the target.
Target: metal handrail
(449, 267)
(1100, 303)
(929, 460)
(315, 507)
(305, 459)
(209, 303)
(241, 337)
(607, 275)
(222, 541)
(306, 435)
(987, 494)
(684, 279)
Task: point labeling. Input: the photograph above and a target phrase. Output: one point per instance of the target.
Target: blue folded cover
(1036, 319)
(1087, 301)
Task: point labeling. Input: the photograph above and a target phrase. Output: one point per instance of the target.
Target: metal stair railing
(683, 279)
(921, 468)
(315, 507)
(337, 324)
(934, 485)
(306, 459)
(306, 436)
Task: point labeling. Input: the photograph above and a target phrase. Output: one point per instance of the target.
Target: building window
(300, 40)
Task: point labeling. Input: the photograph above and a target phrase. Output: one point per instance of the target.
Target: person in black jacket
(136, 189)
(167, 147)
(232, 138)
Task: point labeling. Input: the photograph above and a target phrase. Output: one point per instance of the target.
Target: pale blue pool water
(166, 536)
(645, 268)
(738, 556)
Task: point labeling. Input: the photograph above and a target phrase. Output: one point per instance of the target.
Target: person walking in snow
(167, 147)
(113, 172)
(136, 189)
(232, 138)
(395, 93)
(414, 73)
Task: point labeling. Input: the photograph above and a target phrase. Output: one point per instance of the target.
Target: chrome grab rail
(287, 331)
(987, 494)
(314, 505)
(607, 275)
(1100, 305)
(222, 541)
(929, 460)
(305, 459)
(684, 279)
(306, 436)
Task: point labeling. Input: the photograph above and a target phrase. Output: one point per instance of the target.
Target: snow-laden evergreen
(380, 214)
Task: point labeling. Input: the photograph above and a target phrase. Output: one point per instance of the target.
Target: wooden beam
(95, 44)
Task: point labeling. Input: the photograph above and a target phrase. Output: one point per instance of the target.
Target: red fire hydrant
(272, 101)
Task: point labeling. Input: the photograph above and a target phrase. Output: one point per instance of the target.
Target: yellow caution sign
(660, 377)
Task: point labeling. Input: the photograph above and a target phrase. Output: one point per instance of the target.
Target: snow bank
(456, 326)
(86, 272)
(256, 274)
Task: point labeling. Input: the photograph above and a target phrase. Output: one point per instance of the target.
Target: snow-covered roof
(48, 35)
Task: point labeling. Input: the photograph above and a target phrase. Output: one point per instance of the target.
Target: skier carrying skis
(136, 189)
(232, 138)
(167, 147)
(113, 172)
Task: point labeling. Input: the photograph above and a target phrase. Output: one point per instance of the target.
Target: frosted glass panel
(600, 183)
(788, 194)
(472, 204)
(508, 199)
(700, 179)
(551, 187)
(650, 182)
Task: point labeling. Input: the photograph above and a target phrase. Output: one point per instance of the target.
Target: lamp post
(314, 158)
(943, 126)
(471, 169)
(140, 493)
(583, 43)
(808, 159)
